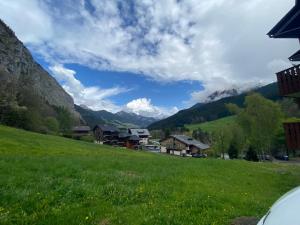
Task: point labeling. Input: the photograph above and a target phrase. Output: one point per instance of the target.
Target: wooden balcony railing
(289, 82)
(292, 133)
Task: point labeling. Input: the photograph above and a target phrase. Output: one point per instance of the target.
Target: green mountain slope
(211, 111)
(214, 125)
(53, 180)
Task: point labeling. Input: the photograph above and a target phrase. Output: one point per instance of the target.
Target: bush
(251, 155)
(233, 151)
(210, 152)
(65, 119)
(52, 125)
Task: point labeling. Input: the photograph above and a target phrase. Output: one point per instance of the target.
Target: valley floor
(52, 180)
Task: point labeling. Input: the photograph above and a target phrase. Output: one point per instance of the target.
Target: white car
(286, 211)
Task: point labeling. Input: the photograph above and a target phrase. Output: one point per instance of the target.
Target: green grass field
(212, 125)
(52, 180)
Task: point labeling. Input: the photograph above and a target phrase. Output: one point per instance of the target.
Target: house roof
(124, 135)
(190, 141)
(140, 132)
(107, 128)
(81, 128)
(295, 57)
(288, 26)
(134, 138)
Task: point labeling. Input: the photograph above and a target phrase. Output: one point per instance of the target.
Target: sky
(151, 57)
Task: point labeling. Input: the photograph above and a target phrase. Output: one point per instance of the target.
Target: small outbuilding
(79, 131)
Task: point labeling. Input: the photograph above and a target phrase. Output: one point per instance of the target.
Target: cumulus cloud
(220, 43)
(277, 65)
(144, 107)
(28, 20)
(92, 97)
(98, 99)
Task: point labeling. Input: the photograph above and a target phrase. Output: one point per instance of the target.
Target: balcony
(289, 82)
(292, 133)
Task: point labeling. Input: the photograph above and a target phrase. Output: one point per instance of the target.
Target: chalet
(80, 131)
(132, 142)
(289, 80)
(143, 134)
(182, 145)
(128, 140)
(106, 134)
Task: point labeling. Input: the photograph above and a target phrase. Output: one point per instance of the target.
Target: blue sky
(163, 93)
(151, 57)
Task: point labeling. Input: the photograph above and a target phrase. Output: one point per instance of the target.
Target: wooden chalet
(289, 79)
(110, 135)
(80, 131)
(128, 140)
(106, 134)
(132, 142)
(143, 134)
(182, 145)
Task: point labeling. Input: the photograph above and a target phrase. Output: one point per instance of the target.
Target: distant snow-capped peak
(221, 94)
(216, 95)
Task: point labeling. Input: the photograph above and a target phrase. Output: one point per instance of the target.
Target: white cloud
(220, 43)
(28, 20)
(92, 97)
(277, 65)
(97, 99)
(144, 107)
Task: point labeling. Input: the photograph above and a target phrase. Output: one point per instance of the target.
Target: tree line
(257, 131)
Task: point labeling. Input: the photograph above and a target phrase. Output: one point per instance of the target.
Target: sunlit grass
(52, 180)
(212, 126)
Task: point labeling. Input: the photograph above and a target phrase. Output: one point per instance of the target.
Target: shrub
(88, 138)
(65, 119)
(52, 125)
(233, 151)
(251, 155)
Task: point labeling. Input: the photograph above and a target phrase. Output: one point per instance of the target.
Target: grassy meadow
(50, 180)
(212, 126)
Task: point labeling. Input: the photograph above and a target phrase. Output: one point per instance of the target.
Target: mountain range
(202, 112)
(23, 76)
(120, 119)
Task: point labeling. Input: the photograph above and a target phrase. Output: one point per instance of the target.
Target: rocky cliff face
(17, 64)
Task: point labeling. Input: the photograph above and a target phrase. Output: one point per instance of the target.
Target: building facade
(143, 134)
(182, 145)
(289, 80)
(106, 134)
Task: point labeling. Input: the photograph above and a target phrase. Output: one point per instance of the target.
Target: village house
(80, 131)
(182, 145)
(143, 134)
(110, 135)
(127, 140)
(132, 142)
(106, 134)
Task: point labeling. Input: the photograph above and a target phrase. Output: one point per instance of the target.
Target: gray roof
(190, 141)
(124, 135)
(81, 128)
(140, 132)
(134, 138)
